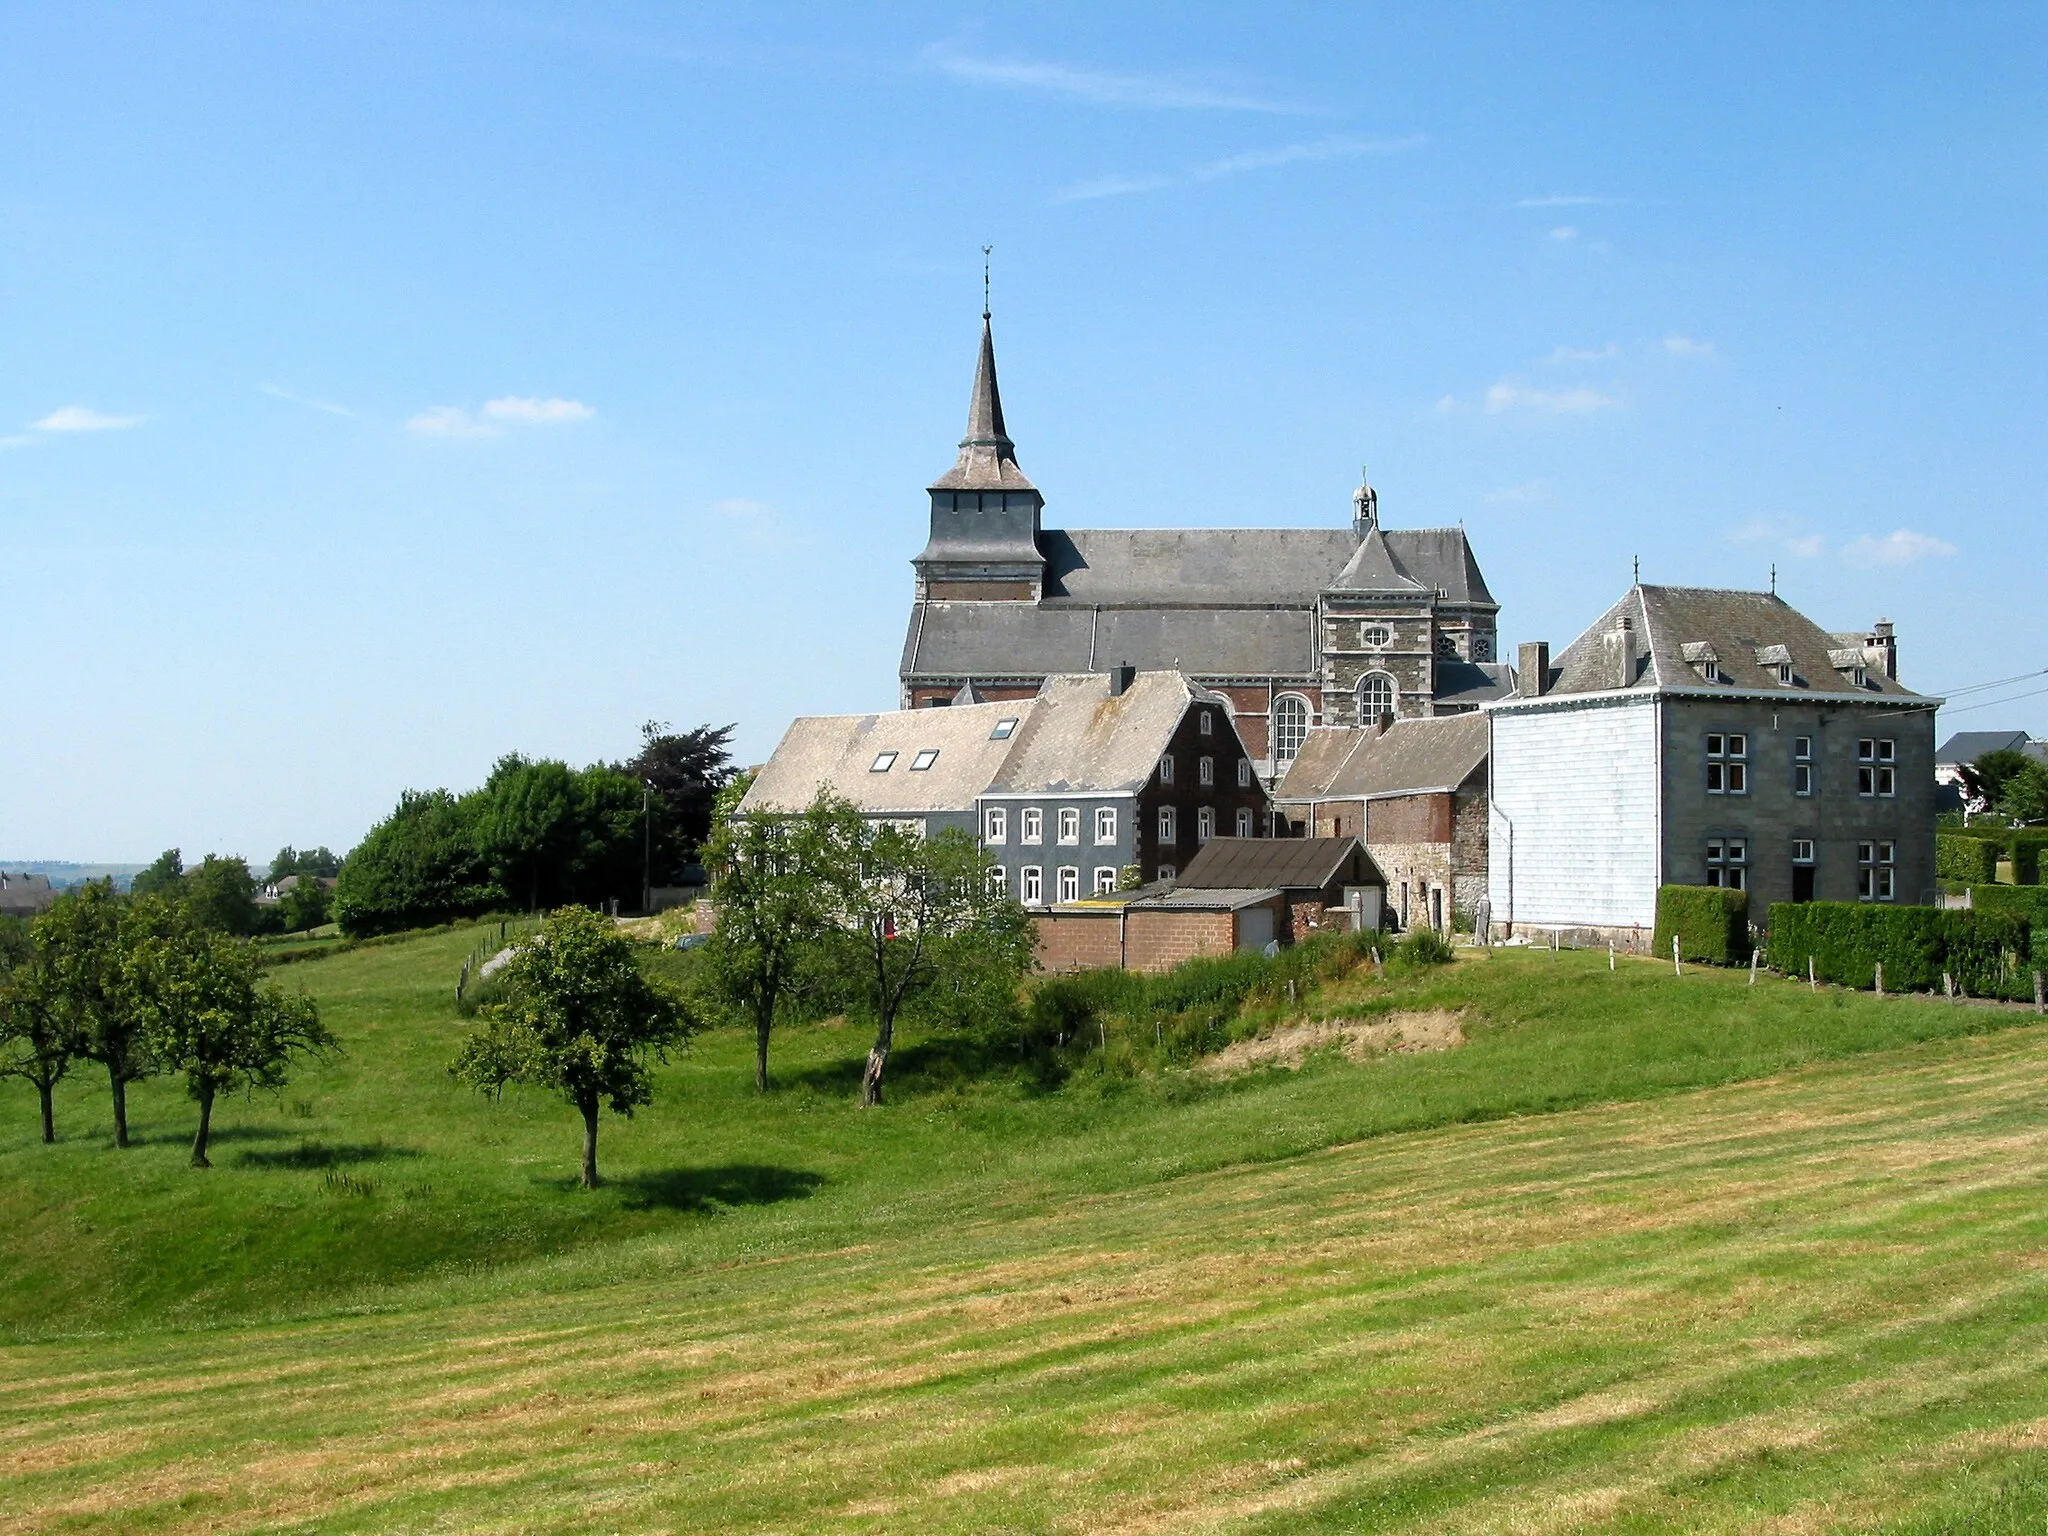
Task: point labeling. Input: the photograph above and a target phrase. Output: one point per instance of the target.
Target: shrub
(1966, 858)
(1847, 940)
(1425, 946)
(2026, 857)
(1710, 924)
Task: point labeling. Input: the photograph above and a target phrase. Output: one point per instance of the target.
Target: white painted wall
(1574, 828)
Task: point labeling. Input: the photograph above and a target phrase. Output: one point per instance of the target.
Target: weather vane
(984, 280)
(1774, 578)
(1637, 561)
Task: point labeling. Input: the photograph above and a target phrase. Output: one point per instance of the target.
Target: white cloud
(537, 412)
(1762, 530)
(1582, 354)
(1336, 147)
(1520, 495)
(15, 442)
(1509, 395)
(1447, 403)
(1568, 200)
(449, 421)
(1902, 546)
(1805, 546)
(1564, 232)
(80, 418)
(1685, 346)
(1101, 87)
(278, 392)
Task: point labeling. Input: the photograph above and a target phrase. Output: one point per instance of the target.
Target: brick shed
(1155, 930)
(1313, 874)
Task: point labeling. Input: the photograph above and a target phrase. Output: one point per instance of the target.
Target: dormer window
(924, 760)
(1849, 662)
(883, 762)
(1701, 656)
(1005, 729)
(1785, 677)
(1777, 660)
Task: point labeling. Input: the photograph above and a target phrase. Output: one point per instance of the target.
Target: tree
(319, 861)
(913, 911)
(530, 828)
(166, 877)
(772, 889)
(83, 941)
(205, 1015)
(37, 1039)
(686, 769)
(420, 865)
(581, 1020)
(221, 895)
(2025, 793)
(306, 904)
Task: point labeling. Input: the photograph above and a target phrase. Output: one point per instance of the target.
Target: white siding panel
(1579, 784)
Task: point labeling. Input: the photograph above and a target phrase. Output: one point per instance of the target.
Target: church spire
(1365, 506)
(988, 459)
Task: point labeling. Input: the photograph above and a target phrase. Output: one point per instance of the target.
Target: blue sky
(385, 389)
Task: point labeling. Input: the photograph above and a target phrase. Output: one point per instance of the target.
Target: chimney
(1883, 647)
(1120, 680)
(1625, 645)
(1532, 665)
(1384, 724)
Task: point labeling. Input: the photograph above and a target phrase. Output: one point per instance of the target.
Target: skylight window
(1005, 728)
(924, 759)
(883, 762)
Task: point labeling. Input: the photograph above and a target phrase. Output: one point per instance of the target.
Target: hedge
(2028, 901)
(1965, 858)
(1710, 924)
(2025, 853)
(1985, 951)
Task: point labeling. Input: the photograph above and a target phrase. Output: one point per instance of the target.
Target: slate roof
(988, 459)
(1079, 737)
(1242, 567)
(26, 895)
(999, 640)
(1733, 626)
(1282, 863)
(837, 752)
(1473, 682)
(1355, 763)
(1968, 746)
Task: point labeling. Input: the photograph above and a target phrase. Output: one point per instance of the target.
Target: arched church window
(1290, 726)
(1376, 695)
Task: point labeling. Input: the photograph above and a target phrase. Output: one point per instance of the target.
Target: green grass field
(1646, 1253)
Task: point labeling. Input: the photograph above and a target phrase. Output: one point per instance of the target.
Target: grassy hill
(1646, 1253)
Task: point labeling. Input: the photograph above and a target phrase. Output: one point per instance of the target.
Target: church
(1292, 627)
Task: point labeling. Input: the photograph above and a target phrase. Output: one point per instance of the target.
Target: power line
(1994, 703)
(1949, 693)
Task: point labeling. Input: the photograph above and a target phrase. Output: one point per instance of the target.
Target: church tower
(985, 513)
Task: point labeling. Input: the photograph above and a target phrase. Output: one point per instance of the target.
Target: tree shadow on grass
(942, 1062)
(705, 1189)
(322, 1154)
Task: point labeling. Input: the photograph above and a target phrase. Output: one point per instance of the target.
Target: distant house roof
(841, 753)
(1284, 863)
(1081, 737)
(1967, 746)
(25, 895)
(1675, 634)
(1357, 762)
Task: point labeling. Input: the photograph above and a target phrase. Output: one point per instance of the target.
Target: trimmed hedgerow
(1710, 924)
(2025, 853)
(1962, 857)
(1846, 941)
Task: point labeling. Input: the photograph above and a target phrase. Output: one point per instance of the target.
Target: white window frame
(1728, 862)
(1802, 766)
(883, 762)
(1166, 769)
(1877, 870)
(1283, 752)
(1070, 882)
(995, 825)
(999, 879)
(1005, 728)
(1802, 850)
(1208, 725)
(1244, 773)
(1727, 762)
(1031, 825)
(1877, 769)
(1205, 823)
(1169, 827)
(1105, 879)
(1070, 825)
(922, 763)
(1168, 872)
(1031, 885)
(1370, 712)
(1205, 772)
(1105, 825)
(1373, 635)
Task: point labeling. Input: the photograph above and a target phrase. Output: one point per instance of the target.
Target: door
(1802, 882)
(1254, 927)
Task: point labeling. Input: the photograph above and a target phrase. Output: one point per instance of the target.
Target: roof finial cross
(984, 280)
(1774, 578)
(1638, 563)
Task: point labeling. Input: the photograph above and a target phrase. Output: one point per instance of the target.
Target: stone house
(1697, 736)
(1290, 627)
(1094, 776)
(1416, 792)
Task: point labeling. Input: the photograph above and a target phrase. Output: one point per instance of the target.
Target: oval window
(1376, 634)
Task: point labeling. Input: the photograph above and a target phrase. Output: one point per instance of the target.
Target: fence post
(1676, 968)
(1948, 986)
(1752, 966)
(1880, 978)
(1377, 964)
(1610, 954)
(1812, 980)
(2040, 996)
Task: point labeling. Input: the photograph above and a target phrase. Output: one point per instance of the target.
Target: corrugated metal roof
(1208, 899)
(1286, 863)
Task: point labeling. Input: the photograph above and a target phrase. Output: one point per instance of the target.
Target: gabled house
(1697, 736)
(1328, 882)
(1098, 779)
(25, 895)
(1415, 791)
